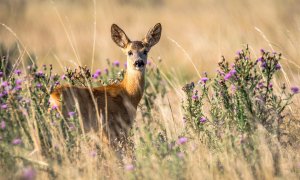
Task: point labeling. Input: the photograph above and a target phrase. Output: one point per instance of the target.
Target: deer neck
(133, 84)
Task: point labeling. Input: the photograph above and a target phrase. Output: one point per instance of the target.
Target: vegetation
(201, 117)
(234, 117)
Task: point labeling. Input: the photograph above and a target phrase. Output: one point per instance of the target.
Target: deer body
(111, 109)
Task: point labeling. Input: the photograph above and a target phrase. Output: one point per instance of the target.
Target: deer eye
(130, 53)
(145, 52)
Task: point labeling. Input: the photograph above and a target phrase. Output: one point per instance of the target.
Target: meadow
(221, 99)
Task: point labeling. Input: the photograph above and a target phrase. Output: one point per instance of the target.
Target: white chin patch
(139, 68)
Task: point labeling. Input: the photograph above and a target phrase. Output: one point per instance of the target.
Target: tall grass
(236, 125)
(241, 122)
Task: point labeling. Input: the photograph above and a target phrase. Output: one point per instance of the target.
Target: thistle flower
(40, 73)
(17, 141)
(1, 74)
(233, 88)
(204, 80)
(4, 106)
(95, 76)
(28, 174)
(4, 84)
(54, 107)
(180, 155)
(194, 97)
(3, 125)
(259, 59)
(18, 82)
(263, 65)
(262, 51)
(295, 90)
(18, 88)
(129, 167)
(98, 71)
(38, 85)
(93, 153)
(229, 74)
(106, 71)
(260, 85)
(116, 63)
(202, 119)
(182, 140)
(71, 113)
(277, 66)
(18, 72)
(270, 85)
(63, 77)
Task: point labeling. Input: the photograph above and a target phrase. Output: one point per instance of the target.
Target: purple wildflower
(18, 88)
(28, 174)
(18, 82)
(295, 90)
(202, 119)
(239, 52)
(270, 85)
(233, 88)
(182, 140)
(259, 59)
(4, 106)
(230, 74)
(40, 73)
(1, 74)
(4, 84)
(129, 167)
(262, 51)
(116, 63)
(277, 67)
(95, 76)
(16, 141)
(263, 65)
(260, 85)
(227, 76)
(204, 80)
(72, 127)
(38, 85)
(180, 155)
(220, 72)
(71, 113)
(98, 71)
(3, 125)
(232, 71)
(4, 93)
(106, 71)
(54, 107)
(93, 153)
(18, 72)
(63, 77)
(195, 97)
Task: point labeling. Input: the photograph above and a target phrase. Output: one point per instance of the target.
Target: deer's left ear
(153, 35)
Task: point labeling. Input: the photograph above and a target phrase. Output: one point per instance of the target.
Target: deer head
(136, 51)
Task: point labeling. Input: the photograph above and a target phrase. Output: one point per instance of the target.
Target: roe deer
(111, 109)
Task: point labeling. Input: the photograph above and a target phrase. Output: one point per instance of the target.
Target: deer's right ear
(119, 36)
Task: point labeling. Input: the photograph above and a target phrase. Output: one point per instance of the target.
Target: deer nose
(139, 63)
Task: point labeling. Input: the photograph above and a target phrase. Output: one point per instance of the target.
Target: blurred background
(61, 31)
